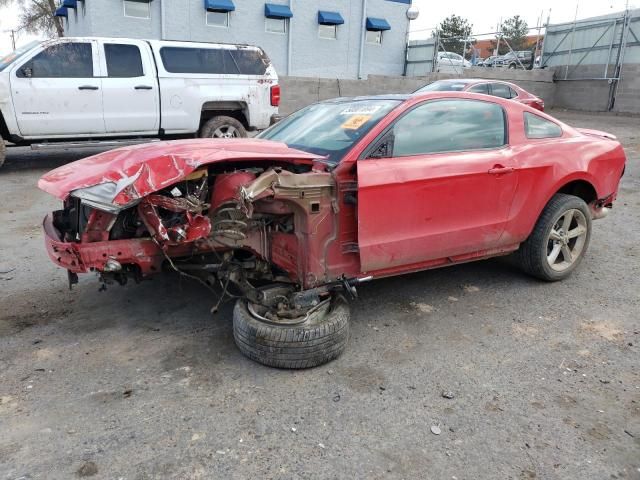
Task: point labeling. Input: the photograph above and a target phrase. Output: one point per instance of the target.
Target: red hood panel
(152, 166)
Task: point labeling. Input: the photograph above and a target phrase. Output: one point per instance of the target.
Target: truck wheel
(222, 127)
(301, 342)
(512, 65)
(558, 241)
(3, 151)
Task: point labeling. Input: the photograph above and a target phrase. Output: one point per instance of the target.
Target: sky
(483, 15)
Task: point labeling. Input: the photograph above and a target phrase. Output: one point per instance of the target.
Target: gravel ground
(142, 382)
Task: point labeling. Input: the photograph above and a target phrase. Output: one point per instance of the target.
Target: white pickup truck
(79, 91)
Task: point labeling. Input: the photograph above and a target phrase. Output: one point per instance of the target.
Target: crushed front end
(235, 222)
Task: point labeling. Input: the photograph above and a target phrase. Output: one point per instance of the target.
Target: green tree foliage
(37, 17)
(453, 32)
(515, 30)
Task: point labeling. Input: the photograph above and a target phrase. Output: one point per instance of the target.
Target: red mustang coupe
(497, 88)
(340, 192)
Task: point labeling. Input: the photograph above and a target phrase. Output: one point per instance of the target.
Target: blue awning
(219, 5)
(61, 12)
(377, 24)
(70, 3)
(330, 18)
(271, 10)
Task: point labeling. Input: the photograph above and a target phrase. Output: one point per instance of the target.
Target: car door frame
(497, 243)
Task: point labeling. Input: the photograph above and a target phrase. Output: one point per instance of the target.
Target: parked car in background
(489, 61)
(339, 193)
(519, 59)
(86, 89)
(449, 62)
(497, 88)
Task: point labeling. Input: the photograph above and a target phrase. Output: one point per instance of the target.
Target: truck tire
(222, 127)
(303, 345)
(3, 151)
(558, 241)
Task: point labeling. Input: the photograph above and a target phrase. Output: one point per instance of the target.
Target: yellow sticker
(355, 122)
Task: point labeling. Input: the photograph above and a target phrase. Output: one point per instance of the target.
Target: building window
(374, 36)
(328, 31)
(137, 9)
(218, 19)
(276, 25)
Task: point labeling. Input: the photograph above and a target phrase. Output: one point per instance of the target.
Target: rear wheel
(222, 127)
(559, 240)
(3, 151)
(301, 342)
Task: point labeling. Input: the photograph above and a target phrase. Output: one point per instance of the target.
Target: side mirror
(27, 72)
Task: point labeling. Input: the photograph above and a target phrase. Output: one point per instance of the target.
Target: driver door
(437, 184)
(58, 91)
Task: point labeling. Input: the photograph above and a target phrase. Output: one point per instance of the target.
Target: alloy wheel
(566, 240)
(226, 131)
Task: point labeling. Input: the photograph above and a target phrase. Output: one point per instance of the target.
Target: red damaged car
(340, 192)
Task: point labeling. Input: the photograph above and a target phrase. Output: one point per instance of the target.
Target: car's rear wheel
(559, 240)
(310, 340)
(223, 127)
(3, 151)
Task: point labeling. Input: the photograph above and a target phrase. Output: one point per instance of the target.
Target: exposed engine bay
(232, 226)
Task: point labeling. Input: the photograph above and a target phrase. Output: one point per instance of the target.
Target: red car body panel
(412, 213)
(147, 168)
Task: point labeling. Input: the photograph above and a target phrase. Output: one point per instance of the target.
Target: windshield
(442, 87)
(329, 129)
(6, 60)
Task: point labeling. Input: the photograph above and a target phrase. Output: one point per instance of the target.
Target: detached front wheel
(315, 338)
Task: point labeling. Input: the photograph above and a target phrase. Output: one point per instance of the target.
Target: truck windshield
(330, 129)
(6, 60)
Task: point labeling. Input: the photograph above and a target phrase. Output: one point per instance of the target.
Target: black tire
(213, 127)
(293, 346)
(512, 65)
(3, 151)
(532, 255)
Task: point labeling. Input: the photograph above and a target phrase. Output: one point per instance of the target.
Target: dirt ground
(142, 382)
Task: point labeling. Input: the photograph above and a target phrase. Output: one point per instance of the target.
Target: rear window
(123, 60)
(538, 127)
(216, 61)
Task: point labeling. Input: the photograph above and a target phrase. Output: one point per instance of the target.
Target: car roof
(389, 96)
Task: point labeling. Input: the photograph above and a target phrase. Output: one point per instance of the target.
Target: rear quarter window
(213, 61)
(538, 127)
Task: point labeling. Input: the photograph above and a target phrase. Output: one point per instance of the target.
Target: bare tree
(38, 16)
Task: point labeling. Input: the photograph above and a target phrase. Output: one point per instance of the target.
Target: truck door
(57, 92)
(129, 87)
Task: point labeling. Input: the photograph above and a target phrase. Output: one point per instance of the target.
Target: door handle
(500, 170)
(87, 87)
(143, 87)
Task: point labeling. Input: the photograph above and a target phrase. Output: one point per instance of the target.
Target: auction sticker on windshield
(355, 122)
